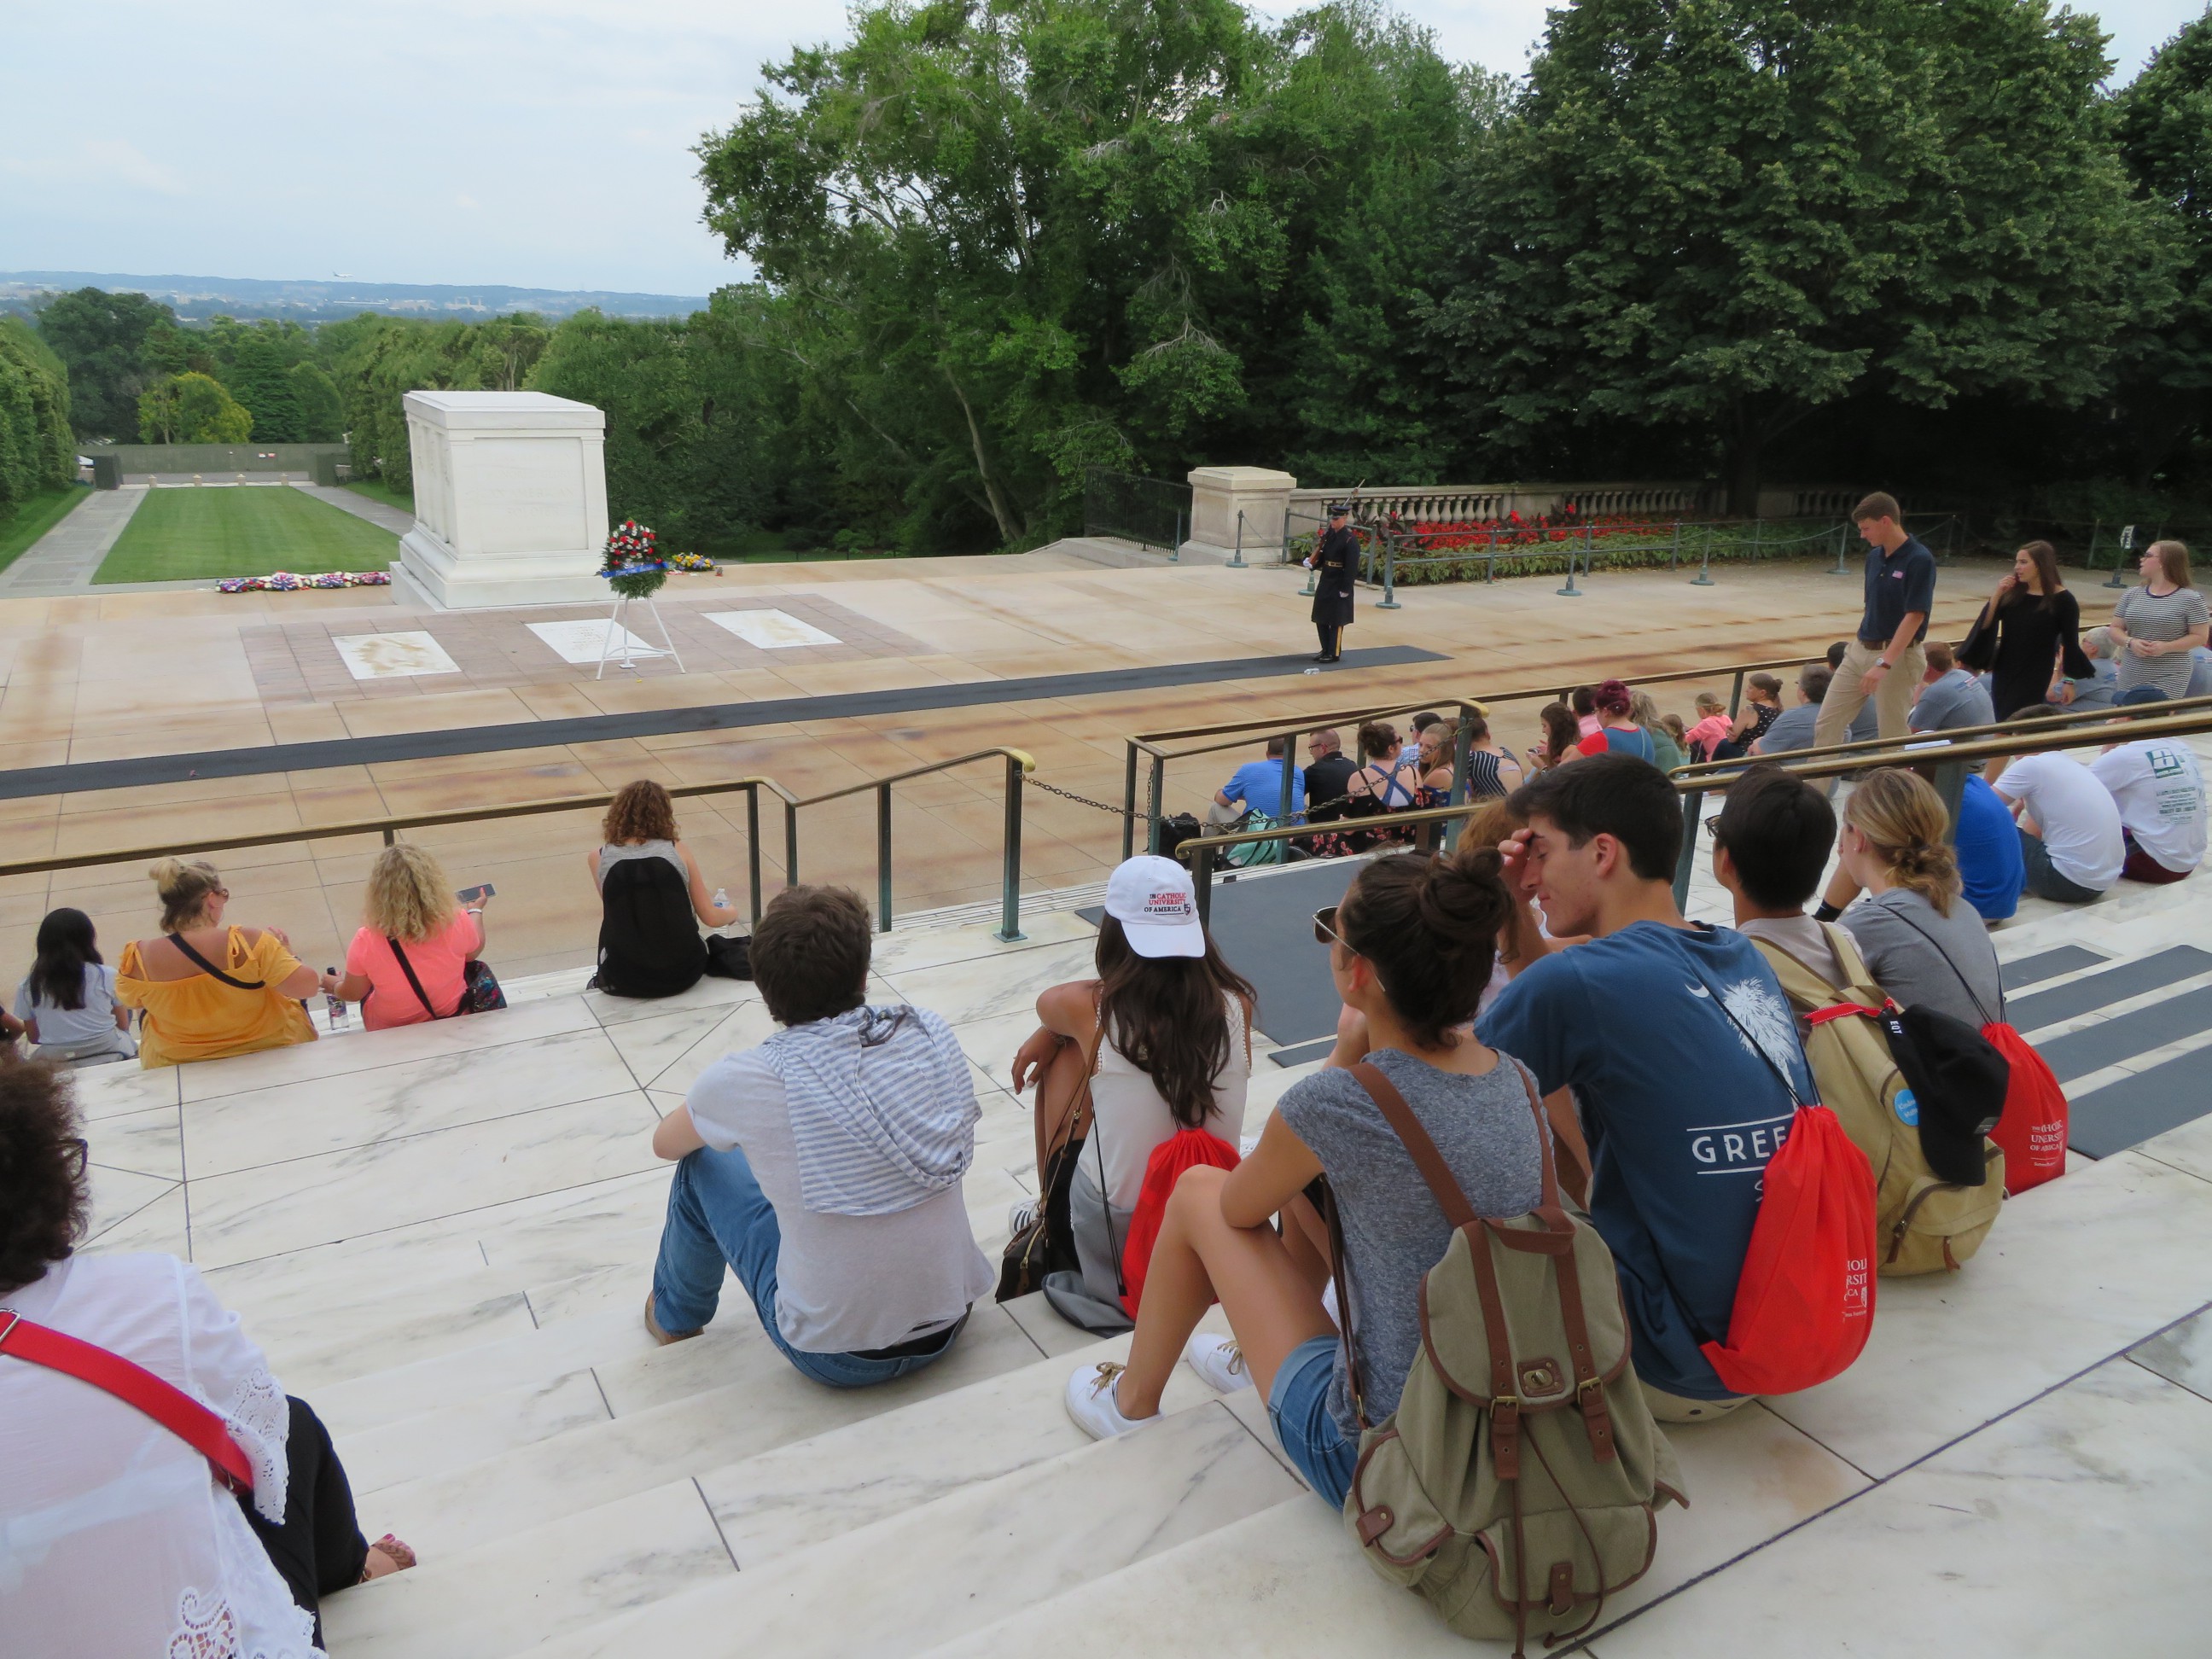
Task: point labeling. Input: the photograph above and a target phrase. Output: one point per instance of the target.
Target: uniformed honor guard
(1335, 559)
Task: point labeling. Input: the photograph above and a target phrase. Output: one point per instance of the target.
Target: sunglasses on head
(1324, 921)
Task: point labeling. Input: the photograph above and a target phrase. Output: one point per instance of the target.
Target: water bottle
(721, 898)
(335, 1004)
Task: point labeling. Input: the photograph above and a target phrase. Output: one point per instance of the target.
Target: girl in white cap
(1163, 1038)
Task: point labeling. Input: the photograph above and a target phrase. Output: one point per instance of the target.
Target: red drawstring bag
(1186, 1149)
(2033, 1131)
(1804, 1304)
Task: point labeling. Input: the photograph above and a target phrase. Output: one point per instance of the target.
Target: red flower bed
(1431, 536)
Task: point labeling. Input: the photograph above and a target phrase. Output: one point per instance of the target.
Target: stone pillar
(510, 500)
(1217, 494)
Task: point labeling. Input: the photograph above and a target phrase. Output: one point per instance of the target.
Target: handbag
(480, 991)
(134, 1385)
(1047, 1245)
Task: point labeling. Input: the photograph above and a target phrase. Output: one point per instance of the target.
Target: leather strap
(209, 969)
(133, 1384)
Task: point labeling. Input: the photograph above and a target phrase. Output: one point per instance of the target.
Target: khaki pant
(1892, 703)
(1675, 1408)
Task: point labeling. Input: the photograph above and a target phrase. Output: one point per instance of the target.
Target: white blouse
(116, 1541)
(1129, 1118)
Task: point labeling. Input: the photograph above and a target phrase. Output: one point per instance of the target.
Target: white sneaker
(1218, 1360)
(1091, 1402)
(1019, 1214)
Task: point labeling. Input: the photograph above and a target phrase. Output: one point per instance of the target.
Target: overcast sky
(536, 143)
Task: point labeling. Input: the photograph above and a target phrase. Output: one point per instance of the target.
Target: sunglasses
(1713, 826)
(1324, 921)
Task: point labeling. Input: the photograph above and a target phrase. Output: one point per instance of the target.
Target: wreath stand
(616, 626)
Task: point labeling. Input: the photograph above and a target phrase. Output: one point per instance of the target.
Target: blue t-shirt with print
(1682, 1113)
(1258, 785)
(1987, 842)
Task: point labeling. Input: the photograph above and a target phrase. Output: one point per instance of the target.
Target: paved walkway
(63, 559)
(395, 519)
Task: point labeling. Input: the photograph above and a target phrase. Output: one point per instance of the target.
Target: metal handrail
(390, 824)
(1018, 763)
(1950, 761)
(2071, 714)
(1148, 744)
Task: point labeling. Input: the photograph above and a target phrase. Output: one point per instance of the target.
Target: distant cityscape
(314, 302)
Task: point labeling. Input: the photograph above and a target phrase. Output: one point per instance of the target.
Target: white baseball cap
(1153, 900)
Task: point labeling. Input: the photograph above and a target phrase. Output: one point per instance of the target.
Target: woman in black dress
(2029, 629)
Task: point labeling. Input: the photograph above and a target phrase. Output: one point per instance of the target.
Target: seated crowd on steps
(1536, 998)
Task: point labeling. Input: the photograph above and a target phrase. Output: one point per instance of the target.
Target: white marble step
(922, 1576)
(760, 1403)
(591, 1565)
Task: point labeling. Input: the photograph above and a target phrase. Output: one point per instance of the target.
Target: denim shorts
(1298, 1407)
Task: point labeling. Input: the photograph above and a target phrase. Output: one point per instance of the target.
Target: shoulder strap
(133, 1384)
(214, 972)
(1956, 972)
(1757, 1047)
(408, 969)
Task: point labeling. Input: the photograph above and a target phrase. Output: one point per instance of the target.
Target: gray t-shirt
(69, 1028)
(1957, 699)
(844, 1283)
(1792, 729)
(1926, 968)
(2146, 616)
(1394, 1232)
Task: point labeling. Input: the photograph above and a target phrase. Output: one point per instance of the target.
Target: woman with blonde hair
(2157, 624)
(209, 990)
(410, 962)
(653, 897)
(1922, 943)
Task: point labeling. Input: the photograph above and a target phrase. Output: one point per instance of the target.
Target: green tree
(255, 372)
(1018, 240)
(37, 450)
(192, 409)
(2163, 122)
(1721, 215)
(100, 336)
(376, 361)
(322, 412)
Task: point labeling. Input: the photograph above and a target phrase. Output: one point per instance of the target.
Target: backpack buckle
(1586, 1387)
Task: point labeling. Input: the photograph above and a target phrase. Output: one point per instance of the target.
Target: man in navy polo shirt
(1885, 662)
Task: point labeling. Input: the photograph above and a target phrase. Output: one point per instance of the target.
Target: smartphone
(476, 895)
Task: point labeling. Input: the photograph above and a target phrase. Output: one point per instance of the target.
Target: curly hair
(1378, 741)
(409, 898)
(640, 811)
(43, 1196)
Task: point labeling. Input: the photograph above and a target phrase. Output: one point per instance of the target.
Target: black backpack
(649, 943)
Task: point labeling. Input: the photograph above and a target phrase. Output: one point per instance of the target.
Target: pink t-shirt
(437, 961)
(1710, 730)
(1587, 724)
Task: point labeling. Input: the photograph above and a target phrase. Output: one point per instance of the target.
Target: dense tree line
(999, 243)
(37, 450)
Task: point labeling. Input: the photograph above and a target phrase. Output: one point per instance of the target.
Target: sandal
(391, 1550)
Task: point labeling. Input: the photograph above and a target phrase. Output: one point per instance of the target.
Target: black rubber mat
(2126, 1035)
(2130, 978)
(2130, 1112)
(2032, 970)
(658, 722)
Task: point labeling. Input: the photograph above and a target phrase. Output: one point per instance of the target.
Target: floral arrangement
(632, 565)
(286, 582)
(698, 561)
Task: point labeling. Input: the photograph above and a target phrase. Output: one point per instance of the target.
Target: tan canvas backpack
(1922, 1225)
(1515, 1485)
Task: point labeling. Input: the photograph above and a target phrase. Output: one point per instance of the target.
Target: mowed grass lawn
(197, 534)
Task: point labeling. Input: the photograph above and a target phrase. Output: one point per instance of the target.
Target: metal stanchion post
(2120, 554)
(1704, 576)
(1843, 535)
(1010, 907)
(1570, 591)
(1390, 599)
(1675, 549)
(1686, 860)
(1236, 560)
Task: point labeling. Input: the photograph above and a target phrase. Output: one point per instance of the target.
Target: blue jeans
(1298, 1407)
(717, 1213)
(2044, 879)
